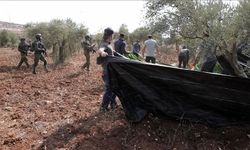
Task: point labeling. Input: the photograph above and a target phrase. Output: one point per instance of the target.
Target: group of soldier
(37, 46)
(39, 50)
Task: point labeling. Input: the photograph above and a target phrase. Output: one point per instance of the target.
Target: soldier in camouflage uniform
(87, 47)
(23, 48)
(40, 53)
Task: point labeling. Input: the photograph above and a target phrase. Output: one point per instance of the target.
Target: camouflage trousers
(87, 63)
(23, 60)
(38, 57)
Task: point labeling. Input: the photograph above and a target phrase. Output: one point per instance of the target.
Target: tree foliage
(243, 22)
(62, 36)
(139, 34)
(97, 38)
(142, 33)
(124, 29)
(189, 19)
(8, 39)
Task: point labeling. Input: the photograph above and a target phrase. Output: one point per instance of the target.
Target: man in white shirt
(151, 48)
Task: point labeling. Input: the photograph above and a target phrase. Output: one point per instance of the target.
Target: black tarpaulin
(213, 99)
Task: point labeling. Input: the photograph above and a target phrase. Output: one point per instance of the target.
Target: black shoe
(103, 110)
(114, 106)
(82, 67)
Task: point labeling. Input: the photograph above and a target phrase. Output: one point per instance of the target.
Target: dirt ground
(59, 111)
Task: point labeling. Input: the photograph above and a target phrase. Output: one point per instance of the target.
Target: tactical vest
(24, 47)
(40, 45)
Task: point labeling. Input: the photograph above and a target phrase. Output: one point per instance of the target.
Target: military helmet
(38, 35)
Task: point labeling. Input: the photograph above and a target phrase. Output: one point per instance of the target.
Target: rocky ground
(59, 111)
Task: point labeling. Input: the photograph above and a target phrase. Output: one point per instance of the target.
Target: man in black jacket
(120, 45)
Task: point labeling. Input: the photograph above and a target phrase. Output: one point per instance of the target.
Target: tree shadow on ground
(4, 69)
(112, 131)
(14, 73)
(98, 131)
(74, 75)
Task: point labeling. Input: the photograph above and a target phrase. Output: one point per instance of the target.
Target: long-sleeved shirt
(120, 46)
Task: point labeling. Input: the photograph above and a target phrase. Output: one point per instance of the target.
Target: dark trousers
(109, 96)
(38, 57)
(87, 63)
(208, 66)
(23, 60)
(182, 61)
(150, 59)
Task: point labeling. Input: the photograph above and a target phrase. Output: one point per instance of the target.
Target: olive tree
(190, 19)
(8, 39)
(62, 36)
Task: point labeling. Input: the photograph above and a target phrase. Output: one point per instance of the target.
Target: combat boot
(18, 66)
(33, 70)
(103, 110)
(28, 66)
(87, 68)
(46, 69)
